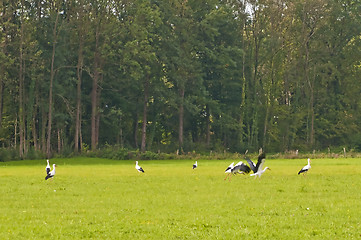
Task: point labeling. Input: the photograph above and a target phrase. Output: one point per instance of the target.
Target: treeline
(179, 75)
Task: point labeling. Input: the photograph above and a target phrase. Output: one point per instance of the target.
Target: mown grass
(108, 199)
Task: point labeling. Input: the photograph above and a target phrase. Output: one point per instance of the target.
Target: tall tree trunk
(94, 93)
(5, 17)
(208, 126)
(243, 94)
(93, 116)
(35, 125)
(1, 95)
(97, 121)
(135, 129)
(308, 33)
(97, 124)
(287, 137)
(120, 135)
(269, 101)
(311, 105)
(312, 97)
(80, 135)
(34, 128)
(2, 74)
(265, 126)
(21, 92)
(78, 94)
(253, 138)
(43, 129)
(152, 131)
(181, 119)
(59, 141)
(52, 74)
(16, 132)
(145, 110)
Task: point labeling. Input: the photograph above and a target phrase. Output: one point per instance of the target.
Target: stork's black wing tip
(301, 171)
(262, 155)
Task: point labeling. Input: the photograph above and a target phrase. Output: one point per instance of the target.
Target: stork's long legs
(230, 175)
(227, 176)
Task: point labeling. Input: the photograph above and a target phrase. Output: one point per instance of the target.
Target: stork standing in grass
(139, 168)
(258, 168)
(51, 174)
(305, 169)
(47, 168)
(195, 165)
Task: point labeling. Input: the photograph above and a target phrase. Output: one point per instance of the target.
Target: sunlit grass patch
(107, 199)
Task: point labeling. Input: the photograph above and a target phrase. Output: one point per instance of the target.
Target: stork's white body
(195, 165)
(139, 168)
(47, 168)
(260, 171)
(305, 169)
(51, 174)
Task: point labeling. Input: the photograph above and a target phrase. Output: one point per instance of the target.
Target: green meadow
(109, 199)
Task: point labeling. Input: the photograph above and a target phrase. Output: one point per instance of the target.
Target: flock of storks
(242, 168)
(258, 170)
(231, 170)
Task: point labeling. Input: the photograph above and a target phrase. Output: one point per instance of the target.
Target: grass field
(108, 199)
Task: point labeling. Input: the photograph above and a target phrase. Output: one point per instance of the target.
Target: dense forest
(179, 75)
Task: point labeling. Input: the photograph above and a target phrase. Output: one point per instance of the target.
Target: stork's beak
(269, 169)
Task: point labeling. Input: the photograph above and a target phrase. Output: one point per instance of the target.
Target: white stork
(240, 168)
(51, 174)
(258, 168)
(47, 168)
(305, 169)
(195, 165)
(139, 168)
